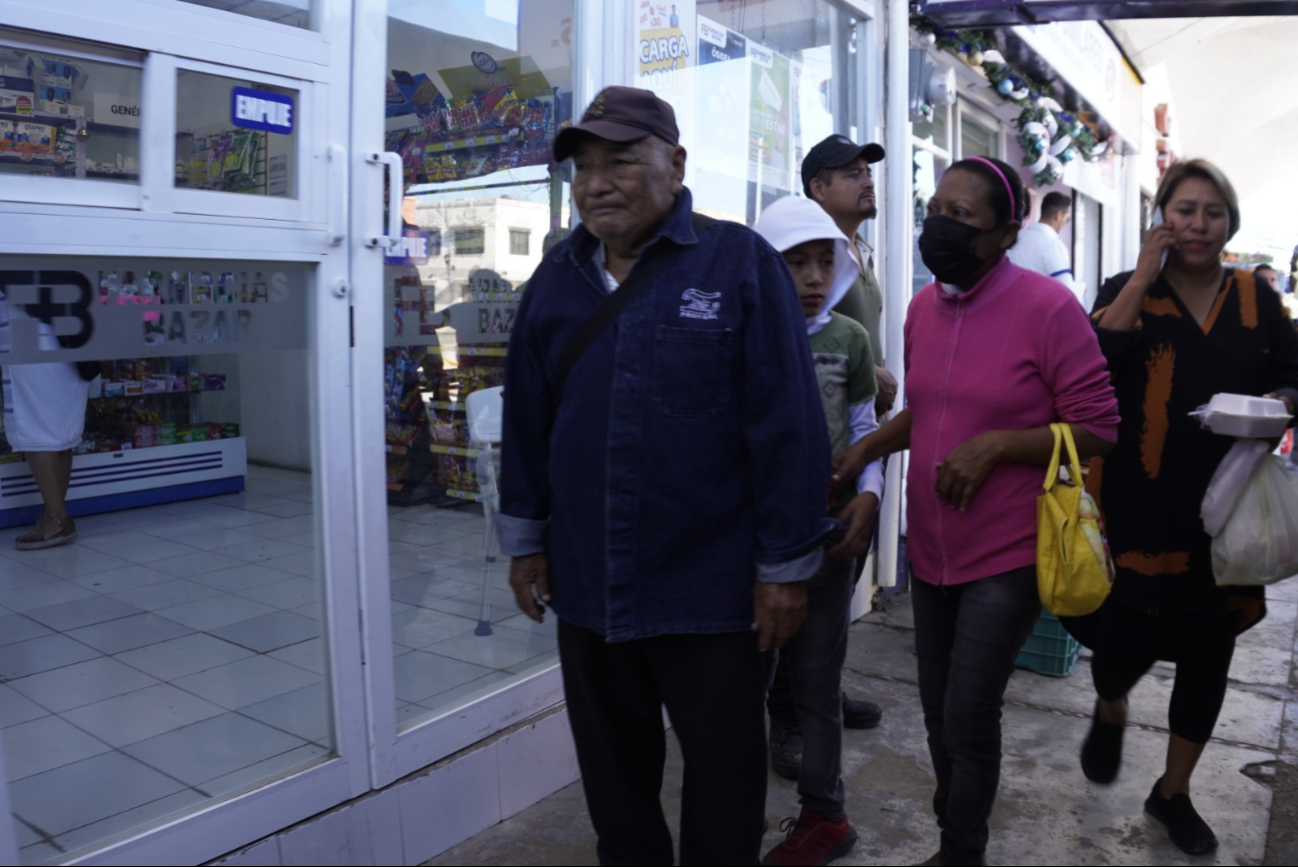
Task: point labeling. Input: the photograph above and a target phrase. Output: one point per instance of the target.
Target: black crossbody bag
(642, 276)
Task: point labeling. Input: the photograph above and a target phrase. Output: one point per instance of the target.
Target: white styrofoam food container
(1241, 415)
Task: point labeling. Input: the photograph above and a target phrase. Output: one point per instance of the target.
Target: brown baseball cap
(621, 114)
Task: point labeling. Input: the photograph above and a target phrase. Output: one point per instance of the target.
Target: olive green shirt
(864, 302)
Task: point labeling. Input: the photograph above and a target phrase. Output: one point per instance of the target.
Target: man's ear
(817, 189)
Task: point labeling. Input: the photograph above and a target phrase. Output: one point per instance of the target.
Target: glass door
(471, 97)
(185, 676)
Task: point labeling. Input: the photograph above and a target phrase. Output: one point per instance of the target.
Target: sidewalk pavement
(1047, 813)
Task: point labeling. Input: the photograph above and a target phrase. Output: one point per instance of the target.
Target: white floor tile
(420, 675)
(44, 744)
(154, 811)
(261, 549)
(128, 633)
(207, 614)
(182, 656)
(218, 537)
(158, 549)
(46, 653)
(247, 681)
(267, 770)
(193, 565)
(421, 627)
(72, 561)
(270, 631)
(307, 654)
(123, 578)
(82, 683)
(142, 714)
(15, 627)
(303, 563)
(62, 799)
(292, 593)
(212, 748)
(303, 712)
(503, 648)
(52, 591)
(177, 591)
(66, 616)
(14, 574)
(17, 708)
(236, 579)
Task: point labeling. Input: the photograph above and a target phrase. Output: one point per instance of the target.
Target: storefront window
(293, 13)
(235, 136)
(476, 93)
(173, 654)
(754, 85)
(68, 114)
(977, 140)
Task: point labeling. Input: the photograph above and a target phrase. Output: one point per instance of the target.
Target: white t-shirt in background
(1039, 248)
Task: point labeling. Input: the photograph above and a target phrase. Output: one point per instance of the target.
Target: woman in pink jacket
(994, 354)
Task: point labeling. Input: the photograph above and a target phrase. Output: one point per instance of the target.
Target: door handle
(337, 194)
(392, 163)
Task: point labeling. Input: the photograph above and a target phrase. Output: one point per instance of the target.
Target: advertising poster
(770, 116)
(664, 48)
(722, 98)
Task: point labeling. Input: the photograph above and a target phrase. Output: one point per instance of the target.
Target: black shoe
(786, 749)
(860, 714)
(1102, 750)
(1185, 827)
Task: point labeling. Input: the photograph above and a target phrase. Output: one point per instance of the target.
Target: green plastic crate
(1050, 649)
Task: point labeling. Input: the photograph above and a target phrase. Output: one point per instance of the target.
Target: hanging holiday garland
(1049, 135)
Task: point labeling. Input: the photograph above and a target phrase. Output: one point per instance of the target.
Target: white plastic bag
(1259, 544)
(1229, 482)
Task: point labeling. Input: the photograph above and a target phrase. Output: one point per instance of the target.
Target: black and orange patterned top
(1151, 485)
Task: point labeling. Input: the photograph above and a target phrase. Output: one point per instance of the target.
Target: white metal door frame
(319, 63)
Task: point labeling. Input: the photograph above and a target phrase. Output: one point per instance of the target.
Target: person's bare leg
(1182, 757)
(52, 472)
(1114, 712)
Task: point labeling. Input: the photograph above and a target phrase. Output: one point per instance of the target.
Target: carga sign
(261, 110)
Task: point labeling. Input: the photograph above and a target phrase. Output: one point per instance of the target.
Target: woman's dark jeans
(967, 637)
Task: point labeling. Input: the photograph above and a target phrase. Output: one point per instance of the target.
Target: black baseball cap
(621, 114)
(832, 152)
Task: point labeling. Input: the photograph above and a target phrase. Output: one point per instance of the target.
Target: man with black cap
(836, 175)
(662, 421)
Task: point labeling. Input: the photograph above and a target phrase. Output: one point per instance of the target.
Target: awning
(1002, 13)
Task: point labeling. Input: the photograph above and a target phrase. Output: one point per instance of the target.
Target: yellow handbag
(1074, 572)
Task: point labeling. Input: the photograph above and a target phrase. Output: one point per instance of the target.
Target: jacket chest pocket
(692, 371)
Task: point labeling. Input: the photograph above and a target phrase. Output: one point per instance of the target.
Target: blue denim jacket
(689, 455)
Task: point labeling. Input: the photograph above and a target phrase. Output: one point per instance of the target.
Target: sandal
(33, 541)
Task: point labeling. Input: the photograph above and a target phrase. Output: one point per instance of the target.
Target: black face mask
(947, 248)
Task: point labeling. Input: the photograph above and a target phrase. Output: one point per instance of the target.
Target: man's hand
(778, 611)
(887, 394)
(859, 517)
(966, 468)
(529, 577)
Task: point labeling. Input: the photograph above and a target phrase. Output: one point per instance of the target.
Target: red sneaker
(812, 839)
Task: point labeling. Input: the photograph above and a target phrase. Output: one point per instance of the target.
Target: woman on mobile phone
(1174, 335)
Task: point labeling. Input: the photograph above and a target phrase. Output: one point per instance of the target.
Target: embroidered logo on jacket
(700, 305)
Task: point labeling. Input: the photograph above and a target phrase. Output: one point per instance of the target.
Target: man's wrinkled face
(626, 190)
(849, 194)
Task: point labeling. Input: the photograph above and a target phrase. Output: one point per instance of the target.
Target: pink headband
(1004, 180)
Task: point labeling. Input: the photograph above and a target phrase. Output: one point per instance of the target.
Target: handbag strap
(643, 273)
(1063, 437)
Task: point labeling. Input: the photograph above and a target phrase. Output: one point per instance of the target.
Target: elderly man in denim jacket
(662, 507)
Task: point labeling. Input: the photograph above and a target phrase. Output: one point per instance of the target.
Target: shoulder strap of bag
(1063, 439)
(640, 279)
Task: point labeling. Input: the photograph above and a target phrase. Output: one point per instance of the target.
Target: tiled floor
(173, 653)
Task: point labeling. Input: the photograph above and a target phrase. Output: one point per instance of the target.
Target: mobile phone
(836, 535)
(1158, 221)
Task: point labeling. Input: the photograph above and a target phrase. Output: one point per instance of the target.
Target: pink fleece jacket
(1015, 352)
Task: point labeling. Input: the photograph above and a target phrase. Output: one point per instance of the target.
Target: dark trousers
(967, 637)
(712, 687)
(1129, 642)
(809, 685)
